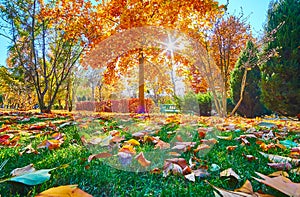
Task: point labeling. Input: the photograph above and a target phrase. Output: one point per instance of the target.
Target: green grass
(100, 179)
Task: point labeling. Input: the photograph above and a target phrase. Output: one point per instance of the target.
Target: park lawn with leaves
(204, 155)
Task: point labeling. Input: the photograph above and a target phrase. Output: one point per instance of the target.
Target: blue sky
(257, 9)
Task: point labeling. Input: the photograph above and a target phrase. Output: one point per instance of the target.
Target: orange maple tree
(121, 16)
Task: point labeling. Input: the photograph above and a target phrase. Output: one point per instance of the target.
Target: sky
(255, 9)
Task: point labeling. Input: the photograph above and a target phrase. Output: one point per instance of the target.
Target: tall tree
(229, 37)
(281, 74)
(186, 16)
(47, 40)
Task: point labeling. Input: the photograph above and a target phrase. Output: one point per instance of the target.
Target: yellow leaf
(133, 142)
(128, 149)
(64, 191)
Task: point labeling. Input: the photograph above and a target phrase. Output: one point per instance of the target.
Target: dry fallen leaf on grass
(229, 173)
(98, 156)
(50, 144)
(281, 159)
(190, 177)
(142, 160)
(64, 191)
(23, 170)
(281, 184)
(279, 173)
(245, 191)
(231, 148)
(280, 166)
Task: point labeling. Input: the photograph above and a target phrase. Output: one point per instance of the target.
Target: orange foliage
(229, 38)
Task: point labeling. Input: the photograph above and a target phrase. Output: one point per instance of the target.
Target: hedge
(120, 106)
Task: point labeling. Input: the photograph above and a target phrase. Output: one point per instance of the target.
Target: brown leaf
(279, 173)
(201, 147)
(231, 148)
(229, 172)
(175, 154)
(50, 144)
(99, 155)
(180, 147)
(280, 166)
(281, 184)
(227, 193)
(179, 161)
(142, 160)
(249, 157)
(162, 145)
(246, 188)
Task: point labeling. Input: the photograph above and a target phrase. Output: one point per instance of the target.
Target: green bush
(200, 103)
(280, 75)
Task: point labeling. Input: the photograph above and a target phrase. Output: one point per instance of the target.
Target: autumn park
(149, 98)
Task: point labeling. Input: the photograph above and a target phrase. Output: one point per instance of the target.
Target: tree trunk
(141, 108)
(243, 84)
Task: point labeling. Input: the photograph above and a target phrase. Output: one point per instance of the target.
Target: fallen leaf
(227, 193)
(229, 173)
(57, 136)
(179, 161)
(133, 142)
(64, 191)
(4, 128)
(31, 178)
(279, 173)
(246, 188)
(201, 147)
(142, 160)
(155, 171)
(249, 157)
(296, 171)
(23, 170)
(128, 149)
(98, 156)
(175, 154)
(176, 169)
(50, 144)
(117, 139)
(231, 148)
(180, 147)
(280, 166)
(225, 137)
(4, 139)
(281, 159)
(190, 177)
(161, 145)
(289, 143)
(281, 184)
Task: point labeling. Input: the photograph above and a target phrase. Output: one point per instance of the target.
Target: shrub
(119, 106)
(280, 78)
(200, 103)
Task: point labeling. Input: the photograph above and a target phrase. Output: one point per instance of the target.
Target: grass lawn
(219, 144)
